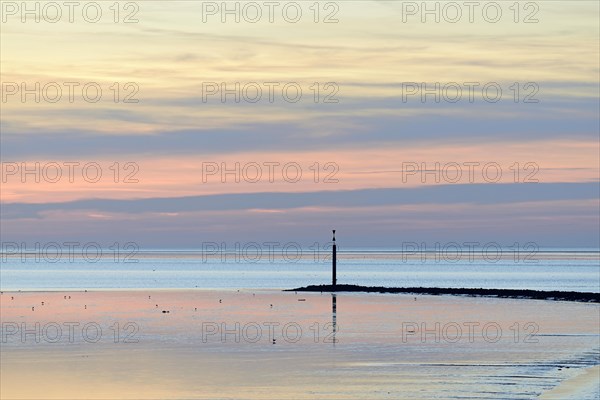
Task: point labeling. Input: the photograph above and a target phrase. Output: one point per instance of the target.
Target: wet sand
(204, 344)
(583, 386)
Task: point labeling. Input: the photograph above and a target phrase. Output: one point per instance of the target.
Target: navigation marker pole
(333, 262)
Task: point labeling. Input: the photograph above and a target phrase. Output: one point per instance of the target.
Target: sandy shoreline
(206, 344)
(584, 386)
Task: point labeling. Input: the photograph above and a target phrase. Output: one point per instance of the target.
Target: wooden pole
(334, 262)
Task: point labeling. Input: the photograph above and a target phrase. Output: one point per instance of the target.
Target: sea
(260, 268)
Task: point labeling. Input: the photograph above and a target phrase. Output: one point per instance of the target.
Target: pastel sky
(369, 146)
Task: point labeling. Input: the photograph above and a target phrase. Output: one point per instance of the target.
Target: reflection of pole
(333, 262)
(334, 316)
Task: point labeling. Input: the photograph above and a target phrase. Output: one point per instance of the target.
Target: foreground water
(260, 344)
(571, 270)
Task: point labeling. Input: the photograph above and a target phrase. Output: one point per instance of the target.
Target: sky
(369, 117)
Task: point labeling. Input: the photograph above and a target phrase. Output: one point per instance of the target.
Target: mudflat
(151, 344)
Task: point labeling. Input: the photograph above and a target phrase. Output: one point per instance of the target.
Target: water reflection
(334, 316)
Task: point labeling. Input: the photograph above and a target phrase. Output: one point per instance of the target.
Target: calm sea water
(560, 269)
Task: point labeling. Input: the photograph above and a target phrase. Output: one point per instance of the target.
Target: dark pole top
(334, 235)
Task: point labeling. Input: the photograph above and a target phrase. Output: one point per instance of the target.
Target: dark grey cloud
(438, 194)
(560, 215)
(345, 125)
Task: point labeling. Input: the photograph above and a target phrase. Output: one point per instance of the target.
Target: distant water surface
(558, 269)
